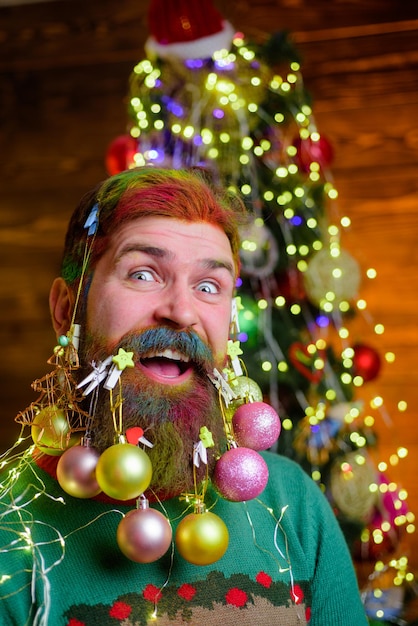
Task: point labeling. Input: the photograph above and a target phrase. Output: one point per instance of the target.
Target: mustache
(154, 340)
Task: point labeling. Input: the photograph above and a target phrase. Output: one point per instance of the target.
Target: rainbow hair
(187, 194)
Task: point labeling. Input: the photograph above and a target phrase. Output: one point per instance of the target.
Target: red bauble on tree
(120, 154)
(310, 151)
(366, 362)
(290, 285)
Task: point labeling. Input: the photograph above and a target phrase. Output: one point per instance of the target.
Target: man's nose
(177, 307)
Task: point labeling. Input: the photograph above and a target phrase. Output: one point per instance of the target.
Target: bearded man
(149, 269)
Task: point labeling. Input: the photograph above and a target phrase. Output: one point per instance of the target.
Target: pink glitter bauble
(256, 425)
(240, 474)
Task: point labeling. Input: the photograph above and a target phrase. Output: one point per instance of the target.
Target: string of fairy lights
(251, 122)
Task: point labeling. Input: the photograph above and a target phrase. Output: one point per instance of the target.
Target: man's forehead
(167, 228)
(167, 237)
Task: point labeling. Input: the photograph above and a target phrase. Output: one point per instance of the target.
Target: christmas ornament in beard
(241, 473)
(76, 471)
(144, 535)
(170, 415)
(202, 537)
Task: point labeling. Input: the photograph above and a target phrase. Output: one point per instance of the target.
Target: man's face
(160, 271)
(163, 290)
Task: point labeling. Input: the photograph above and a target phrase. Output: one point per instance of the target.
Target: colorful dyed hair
(143, 192)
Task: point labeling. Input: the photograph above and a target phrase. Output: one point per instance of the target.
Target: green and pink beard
(169, 399)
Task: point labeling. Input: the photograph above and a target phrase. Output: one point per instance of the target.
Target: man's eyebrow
(214, 264)
(154, 251)
(160, 253)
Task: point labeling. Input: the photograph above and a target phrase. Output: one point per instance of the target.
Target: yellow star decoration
(240, 306)
(206, 438)
(123, 359)
(234, 349)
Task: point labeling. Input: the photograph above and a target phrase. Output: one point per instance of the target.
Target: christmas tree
(204, 95)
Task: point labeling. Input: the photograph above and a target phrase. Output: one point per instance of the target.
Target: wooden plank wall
(64, 68)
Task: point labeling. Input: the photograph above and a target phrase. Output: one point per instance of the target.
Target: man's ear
(61, 306)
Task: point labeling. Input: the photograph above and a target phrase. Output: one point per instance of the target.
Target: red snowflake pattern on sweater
(187, 592)
(152, 593)
(236, 597)
(264, 579)
(120, 610)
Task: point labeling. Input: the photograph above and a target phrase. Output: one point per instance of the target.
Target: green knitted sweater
(287, 562)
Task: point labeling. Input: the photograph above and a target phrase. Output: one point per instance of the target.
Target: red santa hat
(186, 29)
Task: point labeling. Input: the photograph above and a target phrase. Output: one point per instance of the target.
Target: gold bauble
(124, 471)
(246, 390)
(202, 538)
(51, 432)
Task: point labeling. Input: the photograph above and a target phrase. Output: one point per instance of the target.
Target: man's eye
(208, 287)
(145, 275)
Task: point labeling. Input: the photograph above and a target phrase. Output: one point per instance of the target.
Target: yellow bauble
(51, 432)
(124, 471)
(202, 538)
(245, 390)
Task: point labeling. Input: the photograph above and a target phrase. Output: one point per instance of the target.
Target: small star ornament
(121, 361)
(199, 449)
(234, 351)
(206, 437)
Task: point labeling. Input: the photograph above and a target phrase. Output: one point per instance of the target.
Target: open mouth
(168, 366)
